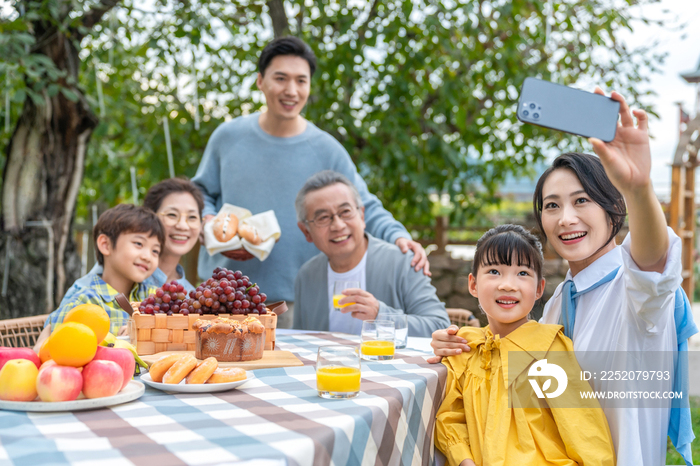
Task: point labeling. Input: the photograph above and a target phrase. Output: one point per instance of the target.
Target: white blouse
(631, 313)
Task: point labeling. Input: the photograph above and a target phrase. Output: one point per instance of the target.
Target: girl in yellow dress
(497, 409)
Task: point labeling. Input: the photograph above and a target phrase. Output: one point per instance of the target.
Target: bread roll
(225, 227)
(249, 234)
(231, 374)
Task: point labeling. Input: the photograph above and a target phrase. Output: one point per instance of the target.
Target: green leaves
(422, 93)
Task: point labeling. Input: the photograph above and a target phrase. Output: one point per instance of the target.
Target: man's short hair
(319, 181)
(289, 45)
(126, 218)
(159, 191)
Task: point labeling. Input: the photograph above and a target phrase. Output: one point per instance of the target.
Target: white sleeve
(650, 295)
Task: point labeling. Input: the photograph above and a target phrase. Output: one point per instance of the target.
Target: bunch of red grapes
(226, 292)
(169, 299)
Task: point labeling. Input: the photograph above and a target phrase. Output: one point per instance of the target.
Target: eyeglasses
(324, 220)
(173, 217)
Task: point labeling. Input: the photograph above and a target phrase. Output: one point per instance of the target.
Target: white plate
(131, 392)
(182, 387)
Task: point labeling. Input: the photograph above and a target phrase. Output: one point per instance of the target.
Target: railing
(443, 229)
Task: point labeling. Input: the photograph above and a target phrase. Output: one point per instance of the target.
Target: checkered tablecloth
(276, 415)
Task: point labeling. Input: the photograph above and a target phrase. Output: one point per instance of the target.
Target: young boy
(128, 241)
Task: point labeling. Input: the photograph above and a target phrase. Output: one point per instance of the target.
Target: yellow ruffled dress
(480, 417)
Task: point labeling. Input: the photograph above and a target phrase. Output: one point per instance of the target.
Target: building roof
(692, 76)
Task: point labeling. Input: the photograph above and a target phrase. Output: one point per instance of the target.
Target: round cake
(229, 340)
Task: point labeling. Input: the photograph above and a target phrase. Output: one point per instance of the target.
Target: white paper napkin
(265, 222)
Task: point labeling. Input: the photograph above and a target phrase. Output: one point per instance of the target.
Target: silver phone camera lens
(532, 106)
(535, 115)
(526, 113)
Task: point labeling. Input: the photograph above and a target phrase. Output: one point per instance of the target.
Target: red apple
(102, 378)
(121, 356)
(48, 363)
(58, 383)
(7, 354)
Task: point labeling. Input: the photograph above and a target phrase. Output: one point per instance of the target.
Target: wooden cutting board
(269, 360)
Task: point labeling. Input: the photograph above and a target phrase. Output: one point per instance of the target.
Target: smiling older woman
(178, 203)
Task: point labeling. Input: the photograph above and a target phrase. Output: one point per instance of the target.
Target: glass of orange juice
(338, 372)
(338, 288)
(377, 340)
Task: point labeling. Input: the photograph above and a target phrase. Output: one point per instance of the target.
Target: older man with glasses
(331, 215)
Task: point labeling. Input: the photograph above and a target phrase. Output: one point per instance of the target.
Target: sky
(683, 56)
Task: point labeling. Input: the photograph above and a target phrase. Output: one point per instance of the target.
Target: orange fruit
(44, 352)
(73, 344)
(93, 316)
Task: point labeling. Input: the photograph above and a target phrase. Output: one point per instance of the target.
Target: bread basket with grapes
(164, 320)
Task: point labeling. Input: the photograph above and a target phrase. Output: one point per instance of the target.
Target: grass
(672, 456)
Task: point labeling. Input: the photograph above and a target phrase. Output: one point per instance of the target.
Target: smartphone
(563, 108)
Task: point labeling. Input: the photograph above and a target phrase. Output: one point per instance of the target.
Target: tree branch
(94, 16)
(279, 17)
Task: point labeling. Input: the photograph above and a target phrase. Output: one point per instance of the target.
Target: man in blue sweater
(260, 161)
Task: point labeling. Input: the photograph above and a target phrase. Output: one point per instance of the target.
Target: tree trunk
(280, 25)
(44, 169)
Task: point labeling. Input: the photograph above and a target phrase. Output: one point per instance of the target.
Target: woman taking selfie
(615, 298)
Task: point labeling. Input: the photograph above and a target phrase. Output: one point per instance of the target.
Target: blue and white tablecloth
(277, 415)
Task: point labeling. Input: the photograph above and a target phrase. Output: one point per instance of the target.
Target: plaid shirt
(102, 294)
(157, 279)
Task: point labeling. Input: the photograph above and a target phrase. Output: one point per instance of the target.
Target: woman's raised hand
(627, 161)
(627, 158)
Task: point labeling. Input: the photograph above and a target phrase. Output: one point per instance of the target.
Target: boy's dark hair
(504, 243)
(159, 191)
(289, 45)
(591, 173)
(126, 218)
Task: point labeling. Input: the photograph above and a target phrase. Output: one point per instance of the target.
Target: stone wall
(451, 280)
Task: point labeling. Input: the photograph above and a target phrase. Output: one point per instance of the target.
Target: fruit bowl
(131, 392)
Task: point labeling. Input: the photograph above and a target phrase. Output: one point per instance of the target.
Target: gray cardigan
(390, 279)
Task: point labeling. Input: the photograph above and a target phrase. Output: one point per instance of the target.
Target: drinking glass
(401, 329)
(338, 372)
(338, 288)
(377, 340)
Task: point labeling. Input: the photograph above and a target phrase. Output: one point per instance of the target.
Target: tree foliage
(422, 93)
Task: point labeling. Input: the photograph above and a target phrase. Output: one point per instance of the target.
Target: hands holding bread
(234, 254)
(226, 226)
(239, 235)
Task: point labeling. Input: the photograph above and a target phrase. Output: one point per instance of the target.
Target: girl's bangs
(507, 248)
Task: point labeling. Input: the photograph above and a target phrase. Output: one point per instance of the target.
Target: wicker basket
(461, 317)
(160, 332)
(22, 332)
